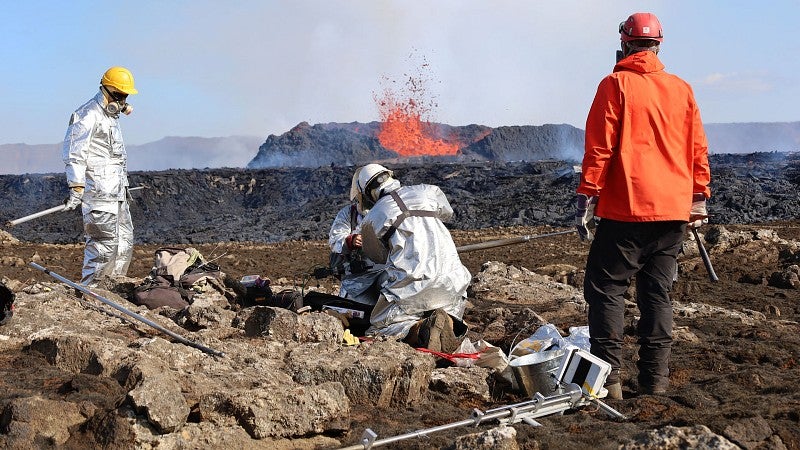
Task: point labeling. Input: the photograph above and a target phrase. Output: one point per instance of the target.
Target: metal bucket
(537, 372)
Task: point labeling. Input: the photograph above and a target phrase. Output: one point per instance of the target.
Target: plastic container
(537, 372)
(584, 369)
(256, 281)
(249, 280)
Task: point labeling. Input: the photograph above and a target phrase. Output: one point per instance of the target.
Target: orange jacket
(646, 151)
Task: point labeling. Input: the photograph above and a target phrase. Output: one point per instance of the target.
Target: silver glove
(74, 200)
(584, 216)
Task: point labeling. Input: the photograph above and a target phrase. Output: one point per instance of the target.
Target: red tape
(452, 357)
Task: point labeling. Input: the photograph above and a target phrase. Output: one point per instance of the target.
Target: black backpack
(6, 304)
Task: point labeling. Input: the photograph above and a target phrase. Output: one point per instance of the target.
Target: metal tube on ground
(123, 310)
(607, 409)
(525, 411)
(507, 241)
(413, 434)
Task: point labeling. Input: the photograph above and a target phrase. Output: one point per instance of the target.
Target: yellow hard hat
(119, 78)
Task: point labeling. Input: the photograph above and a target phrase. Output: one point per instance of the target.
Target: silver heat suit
(355, 286)
(95, 158)
(423, 269)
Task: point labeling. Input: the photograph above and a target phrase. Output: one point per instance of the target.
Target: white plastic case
(584, 369)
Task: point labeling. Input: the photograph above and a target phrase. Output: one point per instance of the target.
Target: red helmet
(641, 26)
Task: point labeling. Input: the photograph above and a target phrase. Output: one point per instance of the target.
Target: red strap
(349, 241)
(452, 357)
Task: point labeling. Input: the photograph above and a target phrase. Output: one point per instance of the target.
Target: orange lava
(408, 135)
(405, 127)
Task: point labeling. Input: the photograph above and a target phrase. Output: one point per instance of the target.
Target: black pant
(619, 251)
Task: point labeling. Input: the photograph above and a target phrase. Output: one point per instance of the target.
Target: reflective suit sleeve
(602, 136)
(443, 208)
(340, 229)
(76, 143)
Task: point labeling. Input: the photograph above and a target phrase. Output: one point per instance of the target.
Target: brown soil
(730, 374)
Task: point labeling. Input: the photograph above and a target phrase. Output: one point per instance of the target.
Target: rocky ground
(73, 374)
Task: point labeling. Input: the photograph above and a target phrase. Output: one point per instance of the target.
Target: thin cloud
(739, 82)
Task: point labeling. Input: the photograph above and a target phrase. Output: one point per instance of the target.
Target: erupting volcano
(405, 126)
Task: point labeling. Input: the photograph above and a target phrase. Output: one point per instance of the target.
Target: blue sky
(221, 68)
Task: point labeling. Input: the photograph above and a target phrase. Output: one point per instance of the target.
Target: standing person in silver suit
(97, 176)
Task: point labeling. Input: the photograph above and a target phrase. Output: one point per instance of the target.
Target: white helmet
(373, 181)
(355, 193)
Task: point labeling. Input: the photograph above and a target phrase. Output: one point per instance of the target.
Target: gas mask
(116, 104)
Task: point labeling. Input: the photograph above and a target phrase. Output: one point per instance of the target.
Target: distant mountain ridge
(356, 143)
(171, 152)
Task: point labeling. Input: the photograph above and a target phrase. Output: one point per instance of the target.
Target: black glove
(584, 215)
(322, 272)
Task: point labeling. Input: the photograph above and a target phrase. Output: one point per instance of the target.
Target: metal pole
(52, 210)
(704, 254)
(58, 208)
(128, 312)
(507, 241)
(526, 411)
(607, 409)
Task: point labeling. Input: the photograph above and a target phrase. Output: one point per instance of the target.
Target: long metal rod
(58, 208)
(119, 308)
(507, 241)
(607, 409)
(704, 254)
(52, 210)
(538, 407)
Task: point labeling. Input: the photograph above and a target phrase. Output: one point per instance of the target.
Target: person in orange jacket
(645, 174)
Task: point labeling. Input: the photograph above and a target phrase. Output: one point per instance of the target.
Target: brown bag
(158, 292)
(176, 274)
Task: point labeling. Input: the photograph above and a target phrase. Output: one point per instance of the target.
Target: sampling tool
(52, 210)
(704, 254)
(578, 368)
(123, 310)
(525, 412)
(507, 241)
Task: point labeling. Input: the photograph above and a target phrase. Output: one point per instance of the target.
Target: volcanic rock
(318, 145)
(272, 205)
(358, 144)
(500, 438)
(697, 437)
(286, 380)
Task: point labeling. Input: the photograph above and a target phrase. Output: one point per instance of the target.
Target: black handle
(704, 254)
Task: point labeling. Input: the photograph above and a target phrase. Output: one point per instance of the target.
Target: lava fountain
(405, 126)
